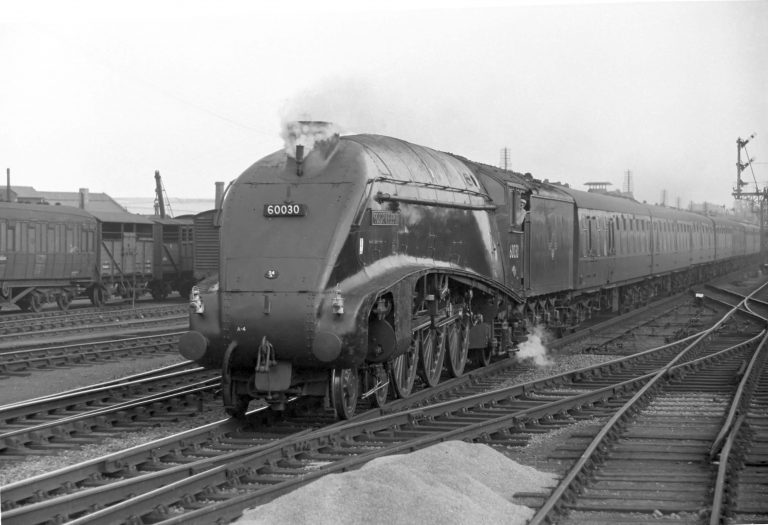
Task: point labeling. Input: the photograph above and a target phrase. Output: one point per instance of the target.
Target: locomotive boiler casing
(357, 216)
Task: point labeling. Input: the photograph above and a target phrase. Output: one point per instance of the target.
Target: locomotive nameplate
(384, 218)
(285, 210)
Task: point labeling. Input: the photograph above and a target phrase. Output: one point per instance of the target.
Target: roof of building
(97, 202)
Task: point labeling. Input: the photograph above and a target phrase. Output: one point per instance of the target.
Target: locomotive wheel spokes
(432, 355)
(344, 391)
(403, 368)
(457, 345)
(378, 378)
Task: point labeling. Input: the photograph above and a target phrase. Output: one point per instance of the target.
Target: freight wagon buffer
(349, 266)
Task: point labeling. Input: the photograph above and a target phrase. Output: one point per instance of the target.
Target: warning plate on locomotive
(285, 210)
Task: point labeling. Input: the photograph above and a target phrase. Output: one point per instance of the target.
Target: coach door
(514, 249)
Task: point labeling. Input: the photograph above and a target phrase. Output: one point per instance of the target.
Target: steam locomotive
(350, 265)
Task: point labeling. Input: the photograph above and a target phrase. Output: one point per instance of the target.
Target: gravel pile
(449, 483)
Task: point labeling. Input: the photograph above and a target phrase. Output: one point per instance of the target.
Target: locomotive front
(335, 255)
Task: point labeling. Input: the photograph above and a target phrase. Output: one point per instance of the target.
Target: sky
(99, 95)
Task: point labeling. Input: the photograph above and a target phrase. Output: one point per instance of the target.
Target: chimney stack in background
(219, 194)
(83, 198)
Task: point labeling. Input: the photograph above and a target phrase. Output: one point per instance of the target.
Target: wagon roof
(35, 211)
(105, 216)
(602, 201)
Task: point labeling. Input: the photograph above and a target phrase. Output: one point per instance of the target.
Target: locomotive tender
(350, 264)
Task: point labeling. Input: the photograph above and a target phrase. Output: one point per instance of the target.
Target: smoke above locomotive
(307, 133)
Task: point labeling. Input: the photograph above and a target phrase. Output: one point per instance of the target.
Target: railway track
(43, 436)
(15, 327)
(23, 362)
(177, 475)
(49, 424)
(656, 455)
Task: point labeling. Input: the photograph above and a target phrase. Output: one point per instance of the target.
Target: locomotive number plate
(285, 210)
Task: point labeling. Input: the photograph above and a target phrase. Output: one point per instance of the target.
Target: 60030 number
(285, 210)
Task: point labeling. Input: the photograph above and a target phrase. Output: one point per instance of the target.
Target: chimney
(219, 195)
(83, 198)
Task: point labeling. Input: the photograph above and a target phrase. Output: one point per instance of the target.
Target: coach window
(611, 237)
(10, 239)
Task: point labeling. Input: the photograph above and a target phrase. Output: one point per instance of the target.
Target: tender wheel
(457, 344)
(344, 391)
(63, 300)
(432, 355)
(483, 355)
(403, 368)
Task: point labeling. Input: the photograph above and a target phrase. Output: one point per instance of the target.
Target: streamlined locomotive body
(348, 265)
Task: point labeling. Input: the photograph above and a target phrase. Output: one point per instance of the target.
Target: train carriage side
(549, 234)
(172, 256)
(673, 240)
(612, 240)
(735, 240)
(47, 253)
(126, 254)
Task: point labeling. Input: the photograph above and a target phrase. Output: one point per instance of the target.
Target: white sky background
(99, 98)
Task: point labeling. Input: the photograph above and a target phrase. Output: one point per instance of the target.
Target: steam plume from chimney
(307, 133)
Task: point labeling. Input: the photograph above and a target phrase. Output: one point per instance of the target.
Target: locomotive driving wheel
(344, 391)
(375, 377)
(457, 345)
(403, 368)
(432, 355)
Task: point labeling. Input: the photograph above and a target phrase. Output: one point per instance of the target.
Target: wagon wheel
(63, 300)
(97, 296)
(344, 391)
(432, 355)
(403, 368)
(31, 303)
(457, 345)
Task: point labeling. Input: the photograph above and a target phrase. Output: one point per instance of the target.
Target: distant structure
(629, 184)
(664, 197)
(597, 187)
(504, 159)
(83, 199)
